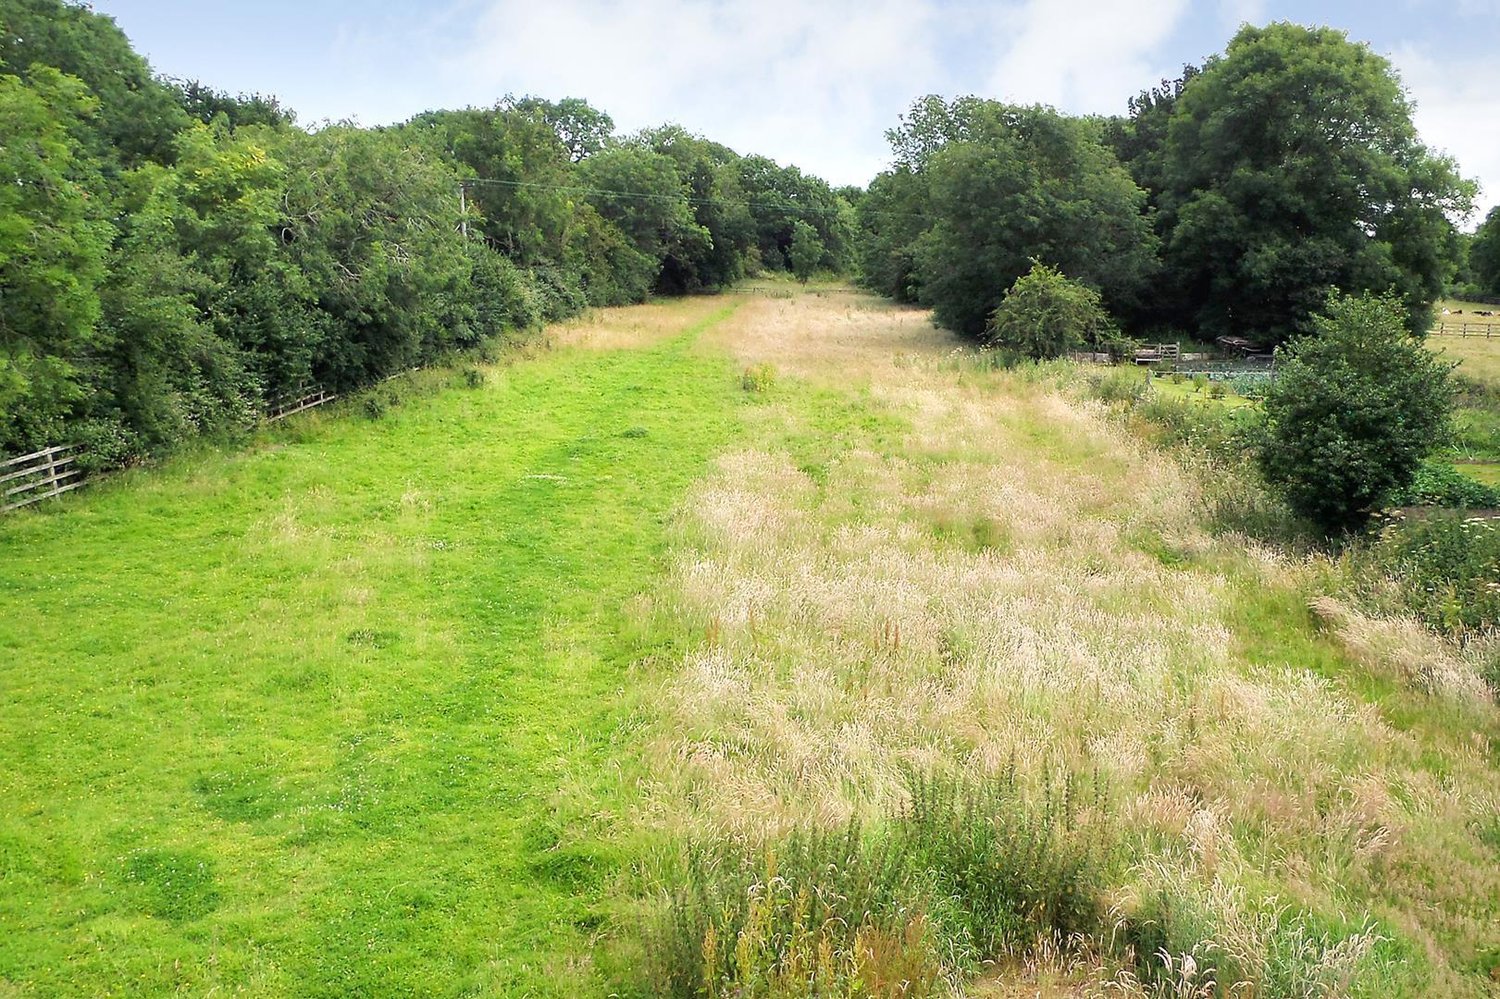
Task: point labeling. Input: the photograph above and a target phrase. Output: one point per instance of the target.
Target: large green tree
(138, 116)
(892, 216)
(1027, 183)
(1291, 167)
(711, 184)
(53, 244)
(640, 192)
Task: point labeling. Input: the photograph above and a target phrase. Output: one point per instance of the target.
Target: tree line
(173, 258)
(1227, 202)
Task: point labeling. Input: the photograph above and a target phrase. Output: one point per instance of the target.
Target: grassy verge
(342, 715)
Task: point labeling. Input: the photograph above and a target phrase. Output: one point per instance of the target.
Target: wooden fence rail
(1486, 330)
(303, 398)
(39, 475)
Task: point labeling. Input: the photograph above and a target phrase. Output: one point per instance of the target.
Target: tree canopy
(981, 189)
(173, 258)
(1291, 167)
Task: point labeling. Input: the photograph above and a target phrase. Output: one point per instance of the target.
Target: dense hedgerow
(173, 259)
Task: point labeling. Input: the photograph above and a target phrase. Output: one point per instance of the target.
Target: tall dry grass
(924, 565)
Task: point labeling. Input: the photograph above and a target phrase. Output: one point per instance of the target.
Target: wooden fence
(1486, 330)
(54, 471)
(304, 398)
(33, 477)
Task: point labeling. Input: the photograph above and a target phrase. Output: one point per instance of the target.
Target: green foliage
(138, 115)
(710, 178)
(582, 128)
(806, 251)
(1118, 385)
(782, 196)
(965, 874)
(1045, 315)
(640, 192)
(891, 219)
(203, 103)
(1352, 413)
(53, 242)
(1290, 166)
(981, 189)
(172, 257)
(1484, 254)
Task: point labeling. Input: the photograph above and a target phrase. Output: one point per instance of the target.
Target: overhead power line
(585, 191)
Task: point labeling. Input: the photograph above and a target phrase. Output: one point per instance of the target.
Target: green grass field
(315, 719)
(1186, 391)
(433, 703)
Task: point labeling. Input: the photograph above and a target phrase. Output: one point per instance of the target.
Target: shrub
(1045, 314)
(1352, 413)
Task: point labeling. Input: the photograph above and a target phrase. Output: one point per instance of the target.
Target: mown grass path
(343, 714)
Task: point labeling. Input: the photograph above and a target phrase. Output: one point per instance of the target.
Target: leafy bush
(1353, 412)
(1046, 314)
(964, 874)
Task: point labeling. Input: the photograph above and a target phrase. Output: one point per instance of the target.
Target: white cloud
(1234, 13)
(1082, 55)
(1455, 108)
(812, 84)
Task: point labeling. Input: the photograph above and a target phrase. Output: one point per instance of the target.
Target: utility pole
(463, 212)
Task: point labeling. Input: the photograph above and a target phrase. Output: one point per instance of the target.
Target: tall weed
(966, 872)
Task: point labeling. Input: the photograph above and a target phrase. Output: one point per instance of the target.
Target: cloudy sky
(810, 82)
